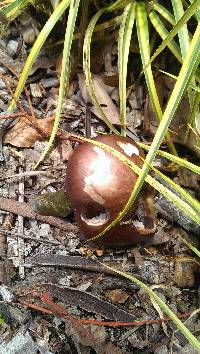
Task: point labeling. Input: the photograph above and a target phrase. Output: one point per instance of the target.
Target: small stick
(32, 118)
(25, 237)
(63, 314)
(12, 115)
(20, 241)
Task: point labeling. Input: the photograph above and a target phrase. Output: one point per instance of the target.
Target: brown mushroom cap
(99, 186)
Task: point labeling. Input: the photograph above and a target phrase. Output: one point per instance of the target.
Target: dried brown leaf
(23, 134)
(102, 92)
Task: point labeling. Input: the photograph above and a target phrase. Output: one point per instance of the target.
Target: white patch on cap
(101, 174)
(128, 148)
(138, 224)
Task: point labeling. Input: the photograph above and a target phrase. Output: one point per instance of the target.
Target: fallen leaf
(102, 92)
(88, 302)
(98, 336)
(23, 134)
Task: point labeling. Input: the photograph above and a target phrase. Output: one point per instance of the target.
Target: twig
(26, 174)
(25, 210)
(4, 262)
(62, 313)
(10, 68)
(32, 118)
(20, 241)
(12, 115)
(25, 237)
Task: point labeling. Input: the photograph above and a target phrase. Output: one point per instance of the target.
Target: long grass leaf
(163, 33)
(184, 330)
(187, 15)
(164, 13)
(86, 66)
(190, 62)
(117, 5)
(143, 38)
(58, 12)
(182, 162)
(184, 40)
(194, 87)
(194, 115)
(86, 57)
(65, 72)
(197, 13)
(167, 15)
(123, 53)
(190, 246)
(190, 200)
(183, 31)
(12, 10)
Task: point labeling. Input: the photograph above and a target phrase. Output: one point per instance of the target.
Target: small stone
(183, 275)
(12, 47)
(29, 35)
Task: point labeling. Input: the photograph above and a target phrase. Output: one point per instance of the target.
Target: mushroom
(99, 186)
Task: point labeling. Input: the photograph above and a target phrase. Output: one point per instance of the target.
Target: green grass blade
(190, 62)
(107, 24)
(163, 33)
(183, 36)
(182, 162)
(143, 38)
(187, 15)
(58, 12)
(183, 31)
(164, 13)
(190, 200)
(86, 62)
(119, 4)
(194, 87)
(197, 13)
(65, 72)
(194, 114)
(167, 15)
(12, 10)
(184, 330)
(2, 321)
(123, 53)
(190, 246)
